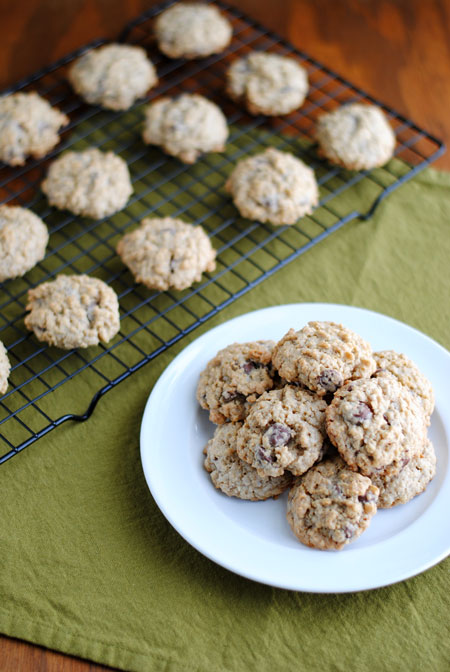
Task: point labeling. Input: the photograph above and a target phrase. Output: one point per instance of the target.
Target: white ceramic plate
(254, 539)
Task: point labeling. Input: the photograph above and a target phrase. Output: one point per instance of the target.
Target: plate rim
(189, 354)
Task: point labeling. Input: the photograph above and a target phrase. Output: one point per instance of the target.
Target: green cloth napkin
(90, 566)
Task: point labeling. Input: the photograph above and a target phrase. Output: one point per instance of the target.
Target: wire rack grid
(39, 397)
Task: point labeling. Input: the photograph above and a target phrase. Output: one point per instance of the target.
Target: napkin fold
(90, 566)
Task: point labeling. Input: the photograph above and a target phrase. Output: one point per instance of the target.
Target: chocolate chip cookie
(267, 83)
(73, 311)
(186, 127)
(234, 378)
(284, 430)
(273, 187)
(331, 505)
(23, 239)
(29, 126)
(234, 477)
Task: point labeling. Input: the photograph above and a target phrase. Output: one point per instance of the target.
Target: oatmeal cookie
(331, 505)
(166, 252)
(113, 76)
(234, 378)
(412, 479)
(234, 477)
(23, 239)
(356, 136)
(29, 126)
(323, 356)
(284, 430)
(91, 183)
(186, 126)
(73, 311)
(273, 187)
(376, 424)
(192, 30)
(267, 83)
(5, 368)
(408, 374)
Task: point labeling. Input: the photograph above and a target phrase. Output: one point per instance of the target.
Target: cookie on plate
(192, 30)
(356, 136)
(23, 239)
(283, 430)
(90, 183)
(234, 477)
(166, 252)
(5, 368)
(331, 505)
(408, 374)
(323, 356)
(273, 187)
(412, 479)
(73, 311)
(234, 378)
(186, 126)
(29, 126)
(267, 83)
(375, 423)
(113, 76)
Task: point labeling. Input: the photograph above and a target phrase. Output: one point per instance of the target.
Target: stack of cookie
(322, 414)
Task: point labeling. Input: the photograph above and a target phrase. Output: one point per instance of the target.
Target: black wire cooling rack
(39, 396)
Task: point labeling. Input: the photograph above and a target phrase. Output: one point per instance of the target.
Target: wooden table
(397, 50)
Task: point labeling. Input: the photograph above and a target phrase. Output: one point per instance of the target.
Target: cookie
(166, 252)
(234, 378)
(192, 30)
(5, 368)
(113, 76)
(408, 374)
(73, 311)
(284, 430)
(23, 239)
(234, 477)
(323, 356)
(375, 423)
(185, 127)
(331, 505)
(273, 187)
(91, 183)
(29, 126)
(267, 83)
(412, 479)
(356, 136)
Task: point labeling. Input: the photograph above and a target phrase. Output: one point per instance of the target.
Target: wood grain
(398, 50)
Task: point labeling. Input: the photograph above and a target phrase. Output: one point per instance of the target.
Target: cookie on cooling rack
(29, 126)
(234, 477)
(23, 239)
(73, 311)
(267, 83)
(356, 136)
(186, 126)
(408, 375)
(283, 430)
(166, 252)
(91, 183)
(412, 479)
(274, 187)
(376, 425)
(331, 505)
(5, 368)
(234, 378)
(113, 76)
(192, 30)
(322, 356)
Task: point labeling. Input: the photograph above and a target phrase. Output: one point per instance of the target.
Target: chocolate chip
(369, 496)
(349, 531)
(264, 456)
(278, 435)
(359, 413)
(232, 396)
(249, 366)
(330, 380)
